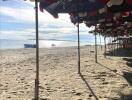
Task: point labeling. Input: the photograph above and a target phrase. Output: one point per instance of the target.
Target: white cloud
(49, 27)
(28, 15)
(14, 34)
(17, 14)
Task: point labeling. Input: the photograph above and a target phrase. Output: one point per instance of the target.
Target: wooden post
(78, 47)
(95, 46)
(112, 47)
(37, 53)
(100, 42)
(105, 46)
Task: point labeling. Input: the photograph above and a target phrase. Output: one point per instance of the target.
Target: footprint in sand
(44, 99)
(78, 94)
(41, 87)
(21, 91)
(105, 83)
(1, 85)
(90, 95)
(9, 97)
(48, 88)
(14, 93)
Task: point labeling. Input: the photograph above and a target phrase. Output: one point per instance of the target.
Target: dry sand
(59, 78)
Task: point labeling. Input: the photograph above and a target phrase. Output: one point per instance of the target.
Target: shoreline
(52, 47)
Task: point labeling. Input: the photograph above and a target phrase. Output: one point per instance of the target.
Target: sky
(17, 21)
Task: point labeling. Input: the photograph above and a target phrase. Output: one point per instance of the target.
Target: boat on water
(29, 45)
(53, 45)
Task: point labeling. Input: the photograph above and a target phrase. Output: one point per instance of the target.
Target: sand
(59, 78)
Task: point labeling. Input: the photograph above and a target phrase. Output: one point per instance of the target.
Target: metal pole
(78, 48)
(95, 46)
(37, 53)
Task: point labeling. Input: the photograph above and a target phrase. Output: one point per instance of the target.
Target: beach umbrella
(124, 6)
(72, 6)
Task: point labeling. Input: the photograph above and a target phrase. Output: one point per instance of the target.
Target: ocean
(14, 44)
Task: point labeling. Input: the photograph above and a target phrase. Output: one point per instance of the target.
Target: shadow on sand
(120, 52)
(96, 98)
(129, 61)
(123, 97)
(114, 71)
(128, 76)
(126, 97)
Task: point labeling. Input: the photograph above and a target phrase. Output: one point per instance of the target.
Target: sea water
(14, 43)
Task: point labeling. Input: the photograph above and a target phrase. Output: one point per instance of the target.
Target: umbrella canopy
(108, 14)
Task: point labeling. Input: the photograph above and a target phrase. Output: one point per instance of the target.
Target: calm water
(13, 44)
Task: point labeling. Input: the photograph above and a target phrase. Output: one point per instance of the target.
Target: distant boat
(53, 45)
(29, 46)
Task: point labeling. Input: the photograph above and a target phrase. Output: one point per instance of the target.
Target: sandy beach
(109, 79)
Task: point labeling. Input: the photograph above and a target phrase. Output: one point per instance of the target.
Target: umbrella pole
(95, 46)
(117, 45)
(105, 46)
(78, 48)
(112, 47)
(100, 42)
(37, 53)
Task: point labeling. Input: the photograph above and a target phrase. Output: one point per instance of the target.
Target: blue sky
(17, 21)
